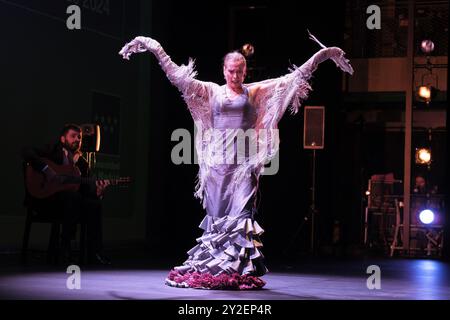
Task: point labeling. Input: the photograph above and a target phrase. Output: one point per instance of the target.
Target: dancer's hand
(138, 45)
(338, 56)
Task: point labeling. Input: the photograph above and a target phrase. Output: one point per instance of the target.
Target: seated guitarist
(71, 205)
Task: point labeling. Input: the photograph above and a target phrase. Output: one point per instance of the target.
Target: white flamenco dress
(228, 254)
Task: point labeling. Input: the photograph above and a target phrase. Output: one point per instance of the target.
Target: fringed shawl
(271, 99)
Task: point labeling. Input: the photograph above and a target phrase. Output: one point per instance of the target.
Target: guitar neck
(86, 180)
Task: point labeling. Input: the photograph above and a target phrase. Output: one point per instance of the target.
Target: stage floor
(308, 280)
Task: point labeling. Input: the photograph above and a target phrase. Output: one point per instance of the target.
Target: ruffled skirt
(227, 256)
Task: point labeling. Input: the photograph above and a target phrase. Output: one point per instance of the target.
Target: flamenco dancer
(227, 255)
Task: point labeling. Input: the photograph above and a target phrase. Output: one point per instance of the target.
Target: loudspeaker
(314, 127)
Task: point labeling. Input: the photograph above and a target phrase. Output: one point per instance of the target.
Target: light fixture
(426, 216)
(423, 156)
(248, 50)
(424, 92)
(429, 84)
(427, 46)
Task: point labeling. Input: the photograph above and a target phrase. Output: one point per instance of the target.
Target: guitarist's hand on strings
(101, 185)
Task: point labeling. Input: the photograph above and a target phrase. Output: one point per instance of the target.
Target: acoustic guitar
(68, 178)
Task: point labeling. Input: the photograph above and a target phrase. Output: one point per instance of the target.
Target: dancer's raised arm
(274, 95)
(196, 93)
(306, 70)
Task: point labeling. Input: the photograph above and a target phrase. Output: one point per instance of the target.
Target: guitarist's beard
(72, 147)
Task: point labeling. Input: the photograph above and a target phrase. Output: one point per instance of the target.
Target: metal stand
(312, 209)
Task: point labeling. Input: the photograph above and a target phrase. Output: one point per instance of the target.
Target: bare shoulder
(253, 90)
(261, 85)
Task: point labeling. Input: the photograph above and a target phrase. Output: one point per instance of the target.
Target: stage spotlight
(426, 216)
(248, 50)
(423, 156)
(427, 46)
(425, 92)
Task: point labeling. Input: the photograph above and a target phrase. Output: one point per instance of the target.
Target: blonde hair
(234, 56)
